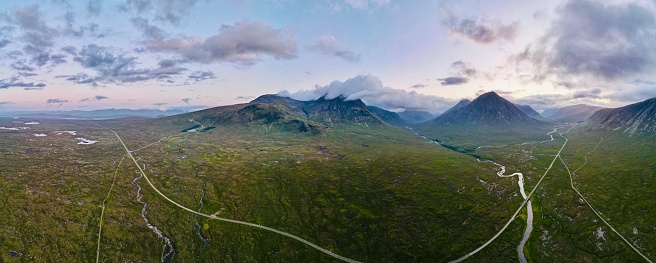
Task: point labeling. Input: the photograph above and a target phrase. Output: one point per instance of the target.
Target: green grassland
(372, 193)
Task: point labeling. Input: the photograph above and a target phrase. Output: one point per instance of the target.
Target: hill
(391, 118)
(529, 111)
(575, 113)
(415, 116)
(634, 118)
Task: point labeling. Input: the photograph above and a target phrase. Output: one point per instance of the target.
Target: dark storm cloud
(329, 45)
(202, 75)
(161, 10)
(242, 43)
(481, 31)
(597, 40)
(57, 101)
(13, 82)
(148, 31)
(453, 81)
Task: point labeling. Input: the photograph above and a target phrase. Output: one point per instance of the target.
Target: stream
(167, 251)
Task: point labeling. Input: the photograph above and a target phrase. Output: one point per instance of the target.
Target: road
(518, 209)
(571, 180)
(141, 171)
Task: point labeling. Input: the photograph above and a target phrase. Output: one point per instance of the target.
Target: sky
(398, 55)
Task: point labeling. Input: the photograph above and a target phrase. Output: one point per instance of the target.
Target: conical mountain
(634, 118)
(487, 109)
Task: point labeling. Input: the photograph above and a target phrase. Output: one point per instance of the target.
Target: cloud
(242, 43)
(360, 4)
(13, 82)
(418, 86)
(35, 30)
(161, 10)
(462, 72)
(202, 75)
(329, 45)
(464, 69)
(186, 100)
(115, 68)
(97, 97)
(148, 31)
(482, 31)
(58, 101)
(244, 98)
(34, 88)
(371, 90)
(95, 7)
(453, 81)
(594, 40)
(4, 43)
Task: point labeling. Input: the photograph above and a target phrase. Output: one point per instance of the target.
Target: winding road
(214, 217)
(526, 200)
(571, 180)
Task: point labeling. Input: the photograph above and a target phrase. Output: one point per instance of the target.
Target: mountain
(487, 109)
(575, 113)
(548, 112)
(634, 118)
(529, 111)
(336, 110)
(391, 118)
(461, 104)
(415, 116)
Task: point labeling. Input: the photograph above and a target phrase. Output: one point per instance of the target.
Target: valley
(356, 191)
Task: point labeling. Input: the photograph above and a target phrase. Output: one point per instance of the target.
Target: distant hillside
(487, 109)
(93, 114)
(461, 104)
(415, 116)
(575, 113)
(529, 111)
(391, 118)
(634, 118)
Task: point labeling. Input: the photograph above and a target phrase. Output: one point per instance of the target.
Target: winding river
(529, 212)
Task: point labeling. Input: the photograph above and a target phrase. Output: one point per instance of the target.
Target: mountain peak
(488, 109)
